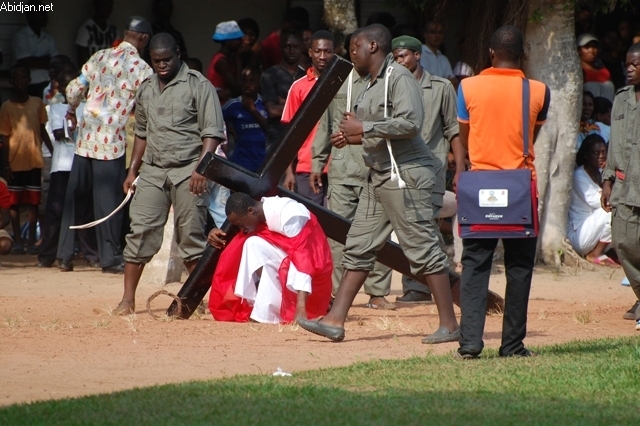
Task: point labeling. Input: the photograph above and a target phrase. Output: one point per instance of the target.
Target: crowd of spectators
(252, 79)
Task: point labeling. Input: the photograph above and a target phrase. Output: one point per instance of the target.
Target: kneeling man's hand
(216, 238)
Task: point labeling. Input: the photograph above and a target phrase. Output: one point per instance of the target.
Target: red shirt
(298, 91)
(270, 51)
(599, 76)
(5, 198)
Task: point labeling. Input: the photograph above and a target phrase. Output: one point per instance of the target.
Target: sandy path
(58, 340)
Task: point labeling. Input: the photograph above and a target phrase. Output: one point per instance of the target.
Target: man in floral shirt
(109, 80)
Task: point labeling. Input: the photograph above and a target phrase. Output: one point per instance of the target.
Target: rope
(104, 219)
(395, 172)
(178, 311)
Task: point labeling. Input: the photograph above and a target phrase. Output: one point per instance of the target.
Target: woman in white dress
(589, 225)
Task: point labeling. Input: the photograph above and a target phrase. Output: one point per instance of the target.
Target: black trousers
(53, 220)
(99, 182)
(477, 256)
(303, 188)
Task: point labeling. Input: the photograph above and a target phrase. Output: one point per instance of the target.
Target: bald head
(507, 43)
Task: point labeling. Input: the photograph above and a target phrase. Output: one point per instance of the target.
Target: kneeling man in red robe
(277, 269)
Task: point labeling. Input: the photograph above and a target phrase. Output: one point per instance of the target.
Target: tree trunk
(551, 57)
(340, 16)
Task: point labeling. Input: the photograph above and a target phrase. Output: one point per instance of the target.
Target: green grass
(579, 383)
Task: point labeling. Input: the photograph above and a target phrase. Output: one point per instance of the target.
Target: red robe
(309, 251)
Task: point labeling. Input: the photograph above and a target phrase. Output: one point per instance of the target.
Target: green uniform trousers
(625, 233)
(149, 212)
(343, 200)
(383, 208)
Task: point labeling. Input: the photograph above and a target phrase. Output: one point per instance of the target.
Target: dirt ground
(57, 338)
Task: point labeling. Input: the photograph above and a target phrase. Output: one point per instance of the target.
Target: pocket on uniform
(418, 195)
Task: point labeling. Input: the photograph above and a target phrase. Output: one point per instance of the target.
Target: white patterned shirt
(110, 80)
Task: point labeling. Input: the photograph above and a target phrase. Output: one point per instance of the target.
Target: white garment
(64, 149)
(435, 63)
(588, 222)
(27, 44)
(287, 217)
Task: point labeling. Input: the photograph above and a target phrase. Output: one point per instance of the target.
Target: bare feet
(125, 308)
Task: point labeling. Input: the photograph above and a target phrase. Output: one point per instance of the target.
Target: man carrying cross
(398, 197)
(178, 120)
(279, 267)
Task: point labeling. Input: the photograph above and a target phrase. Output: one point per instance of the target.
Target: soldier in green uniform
(621, 178)
(178, 120)
(439, 130)
(347, 179)
(398, 197)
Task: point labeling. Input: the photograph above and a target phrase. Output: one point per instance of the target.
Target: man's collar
(514, 72)
(425, 81)
(181, 76)
(388, 60)
(128, 46)
(311, 74)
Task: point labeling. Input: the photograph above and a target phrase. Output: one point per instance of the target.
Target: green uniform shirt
(347, 164)
(174, 121)
(403, 125)
(624, 149)
(441, 115)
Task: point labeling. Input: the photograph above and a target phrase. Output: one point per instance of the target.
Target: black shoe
(414, 297)
(65, 265)
(115, 269)
(45, 264)
(631, 313)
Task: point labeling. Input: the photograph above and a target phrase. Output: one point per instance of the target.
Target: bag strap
(526, 94)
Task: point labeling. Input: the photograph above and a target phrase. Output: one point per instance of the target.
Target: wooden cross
(266, 183)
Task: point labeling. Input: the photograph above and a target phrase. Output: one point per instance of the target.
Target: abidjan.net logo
(22, 7)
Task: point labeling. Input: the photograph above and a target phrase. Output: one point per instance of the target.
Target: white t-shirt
(284, 215)
(27, 44)
(91, 36)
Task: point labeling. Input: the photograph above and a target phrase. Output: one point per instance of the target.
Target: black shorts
(25, 187)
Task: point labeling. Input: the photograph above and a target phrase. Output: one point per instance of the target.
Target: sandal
(605, 260)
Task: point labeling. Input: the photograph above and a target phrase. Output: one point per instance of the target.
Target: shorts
(5, 234)
(25, 187)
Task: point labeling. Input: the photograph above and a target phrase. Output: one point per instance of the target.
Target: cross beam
(265, 183)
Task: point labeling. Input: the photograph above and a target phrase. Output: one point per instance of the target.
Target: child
(64, 149)
(22, 120)
(246, 119)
